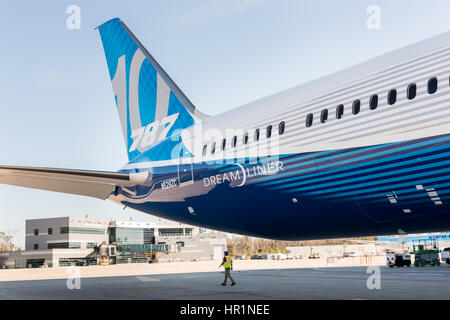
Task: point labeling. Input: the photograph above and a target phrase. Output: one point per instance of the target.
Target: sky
(56, 103)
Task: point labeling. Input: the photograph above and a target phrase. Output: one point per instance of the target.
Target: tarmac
(256, 280)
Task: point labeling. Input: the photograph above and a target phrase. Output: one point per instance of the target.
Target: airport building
(65, 241)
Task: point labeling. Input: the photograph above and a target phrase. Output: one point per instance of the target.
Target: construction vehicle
(314, 255)
(151, 256)
(398, 259)
(426, 252)
(155, 249)
(106, 253)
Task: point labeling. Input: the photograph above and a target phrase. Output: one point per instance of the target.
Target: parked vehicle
(426, 252)
(349, 254)
(279, 256)
(315, 255)
(398, 259)
(445, 255)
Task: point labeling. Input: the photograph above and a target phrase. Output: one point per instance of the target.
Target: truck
(445, 255)
(398, 259)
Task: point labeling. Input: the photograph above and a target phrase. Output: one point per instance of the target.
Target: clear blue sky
(57, 106)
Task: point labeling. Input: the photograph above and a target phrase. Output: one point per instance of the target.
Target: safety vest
(227, 263)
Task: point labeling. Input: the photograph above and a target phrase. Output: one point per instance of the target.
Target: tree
(6, 243)
(246, 245)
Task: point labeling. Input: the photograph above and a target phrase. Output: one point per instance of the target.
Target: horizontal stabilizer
(96, 184)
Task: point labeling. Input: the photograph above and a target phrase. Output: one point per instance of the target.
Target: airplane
(362, 152)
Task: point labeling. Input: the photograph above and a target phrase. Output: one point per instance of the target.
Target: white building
(64, 241)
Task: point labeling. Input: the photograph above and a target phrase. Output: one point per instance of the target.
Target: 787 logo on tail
(152, 134)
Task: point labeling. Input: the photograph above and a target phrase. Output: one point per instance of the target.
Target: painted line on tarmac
(425, 274)
(147, 279)
(343, 269)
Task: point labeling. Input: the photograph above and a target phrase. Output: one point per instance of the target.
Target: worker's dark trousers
(227, 275)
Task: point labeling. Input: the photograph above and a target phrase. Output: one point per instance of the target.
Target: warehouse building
(65, 241)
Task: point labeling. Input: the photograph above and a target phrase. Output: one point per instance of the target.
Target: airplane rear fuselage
(363, 152)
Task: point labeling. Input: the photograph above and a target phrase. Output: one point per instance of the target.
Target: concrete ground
(180, 267)
(285, 280)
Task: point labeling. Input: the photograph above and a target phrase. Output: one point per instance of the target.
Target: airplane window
(281, 127)
(224, 144)
(432, 85)
(340, 111)
(269, 132)
(204, 149)
(213, 148)
(309, 120)
(392, 97)
(324, 116)
(234, 142)
(373, 104)
(256, 135)
(245, 139)
(411, 92)
(356, 107)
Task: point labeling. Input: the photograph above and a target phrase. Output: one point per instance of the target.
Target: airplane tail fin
(150, 105)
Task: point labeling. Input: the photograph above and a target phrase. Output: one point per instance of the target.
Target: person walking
(227, 263)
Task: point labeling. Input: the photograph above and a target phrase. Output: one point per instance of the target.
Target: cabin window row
(411, 93)
(245, 138)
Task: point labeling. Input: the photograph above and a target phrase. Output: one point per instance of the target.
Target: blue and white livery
(362, 152)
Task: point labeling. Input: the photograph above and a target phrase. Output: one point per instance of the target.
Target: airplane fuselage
(362, 152)
(365, 151)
